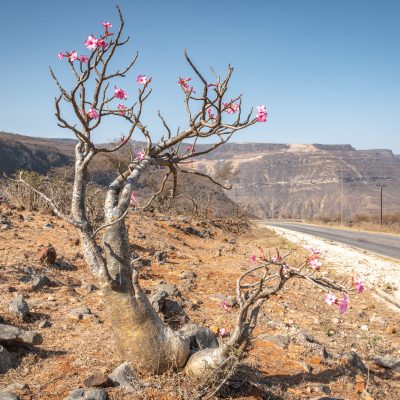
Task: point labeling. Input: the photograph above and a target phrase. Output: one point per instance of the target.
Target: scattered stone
(124, 376)
(40, 281)
(96, 379)
(14, 387)
(193, 231)
(96, 394)
(200, 337)
(352, 360)
(140, 235)
(378, 322)
(172, 309)
(14, 335)
(278, 340)
(189, 275)
(160, 256)
(19, 307)
(387, 362)
(6, 395)
(7, 360)
(79, 313)
(157, 300)
(5, 226)
(171, 290)
(47, 255)
(364, 328)
(49, 225)
(44, 324)
(230, 301)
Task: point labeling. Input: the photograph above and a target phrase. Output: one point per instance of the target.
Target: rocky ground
(303, 348)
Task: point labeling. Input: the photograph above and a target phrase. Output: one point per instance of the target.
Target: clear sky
(327, 70)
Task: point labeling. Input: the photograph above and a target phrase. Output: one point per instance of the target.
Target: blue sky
(328, 71)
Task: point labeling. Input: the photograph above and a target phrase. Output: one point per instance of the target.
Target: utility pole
(341, 194)
(381, 214)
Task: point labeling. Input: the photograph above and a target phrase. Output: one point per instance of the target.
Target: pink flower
(101, 43)
(143, 80)
(122, 109)
(276, 258)
(183, 83)
(132, 199)
(140, 155)
(262, 114)
(230, 108)
(223, 332)
(91, 43)
(107, 26)
(253, 258)
(93, 114)
(123, 138)
(83, 59)
(358, 285)
(120, 93)
(60, 55)
(343, 304)
(316, 251)
(330, 299)
(72, 56)
(190, 148)
(224, 305)
(315, 264)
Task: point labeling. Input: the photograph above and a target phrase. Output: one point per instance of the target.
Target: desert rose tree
(140, 335)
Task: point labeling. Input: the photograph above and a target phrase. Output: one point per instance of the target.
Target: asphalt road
(380, 243)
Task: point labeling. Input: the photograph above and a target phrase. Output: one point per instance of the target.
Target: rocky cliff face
(303, 181)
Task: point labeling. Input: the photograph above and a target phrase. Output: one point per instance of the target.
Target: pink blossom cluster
(262, 114)
(231, 108)
(313, 259)
(143, 80)
(223, 332)
(92, 43)
(183, 83)
(225, 305)
(122, 109)
(358, 284)
(92, 113)
(73, 56)
(140, 155)
(120, 93)
(342, 304)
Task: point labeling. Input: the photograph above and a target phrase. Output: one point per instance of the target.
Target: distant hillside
(34, 154)
(304, 181)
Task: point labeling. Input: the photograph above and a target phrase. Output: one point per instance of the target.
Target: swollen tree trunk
(140, 335)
